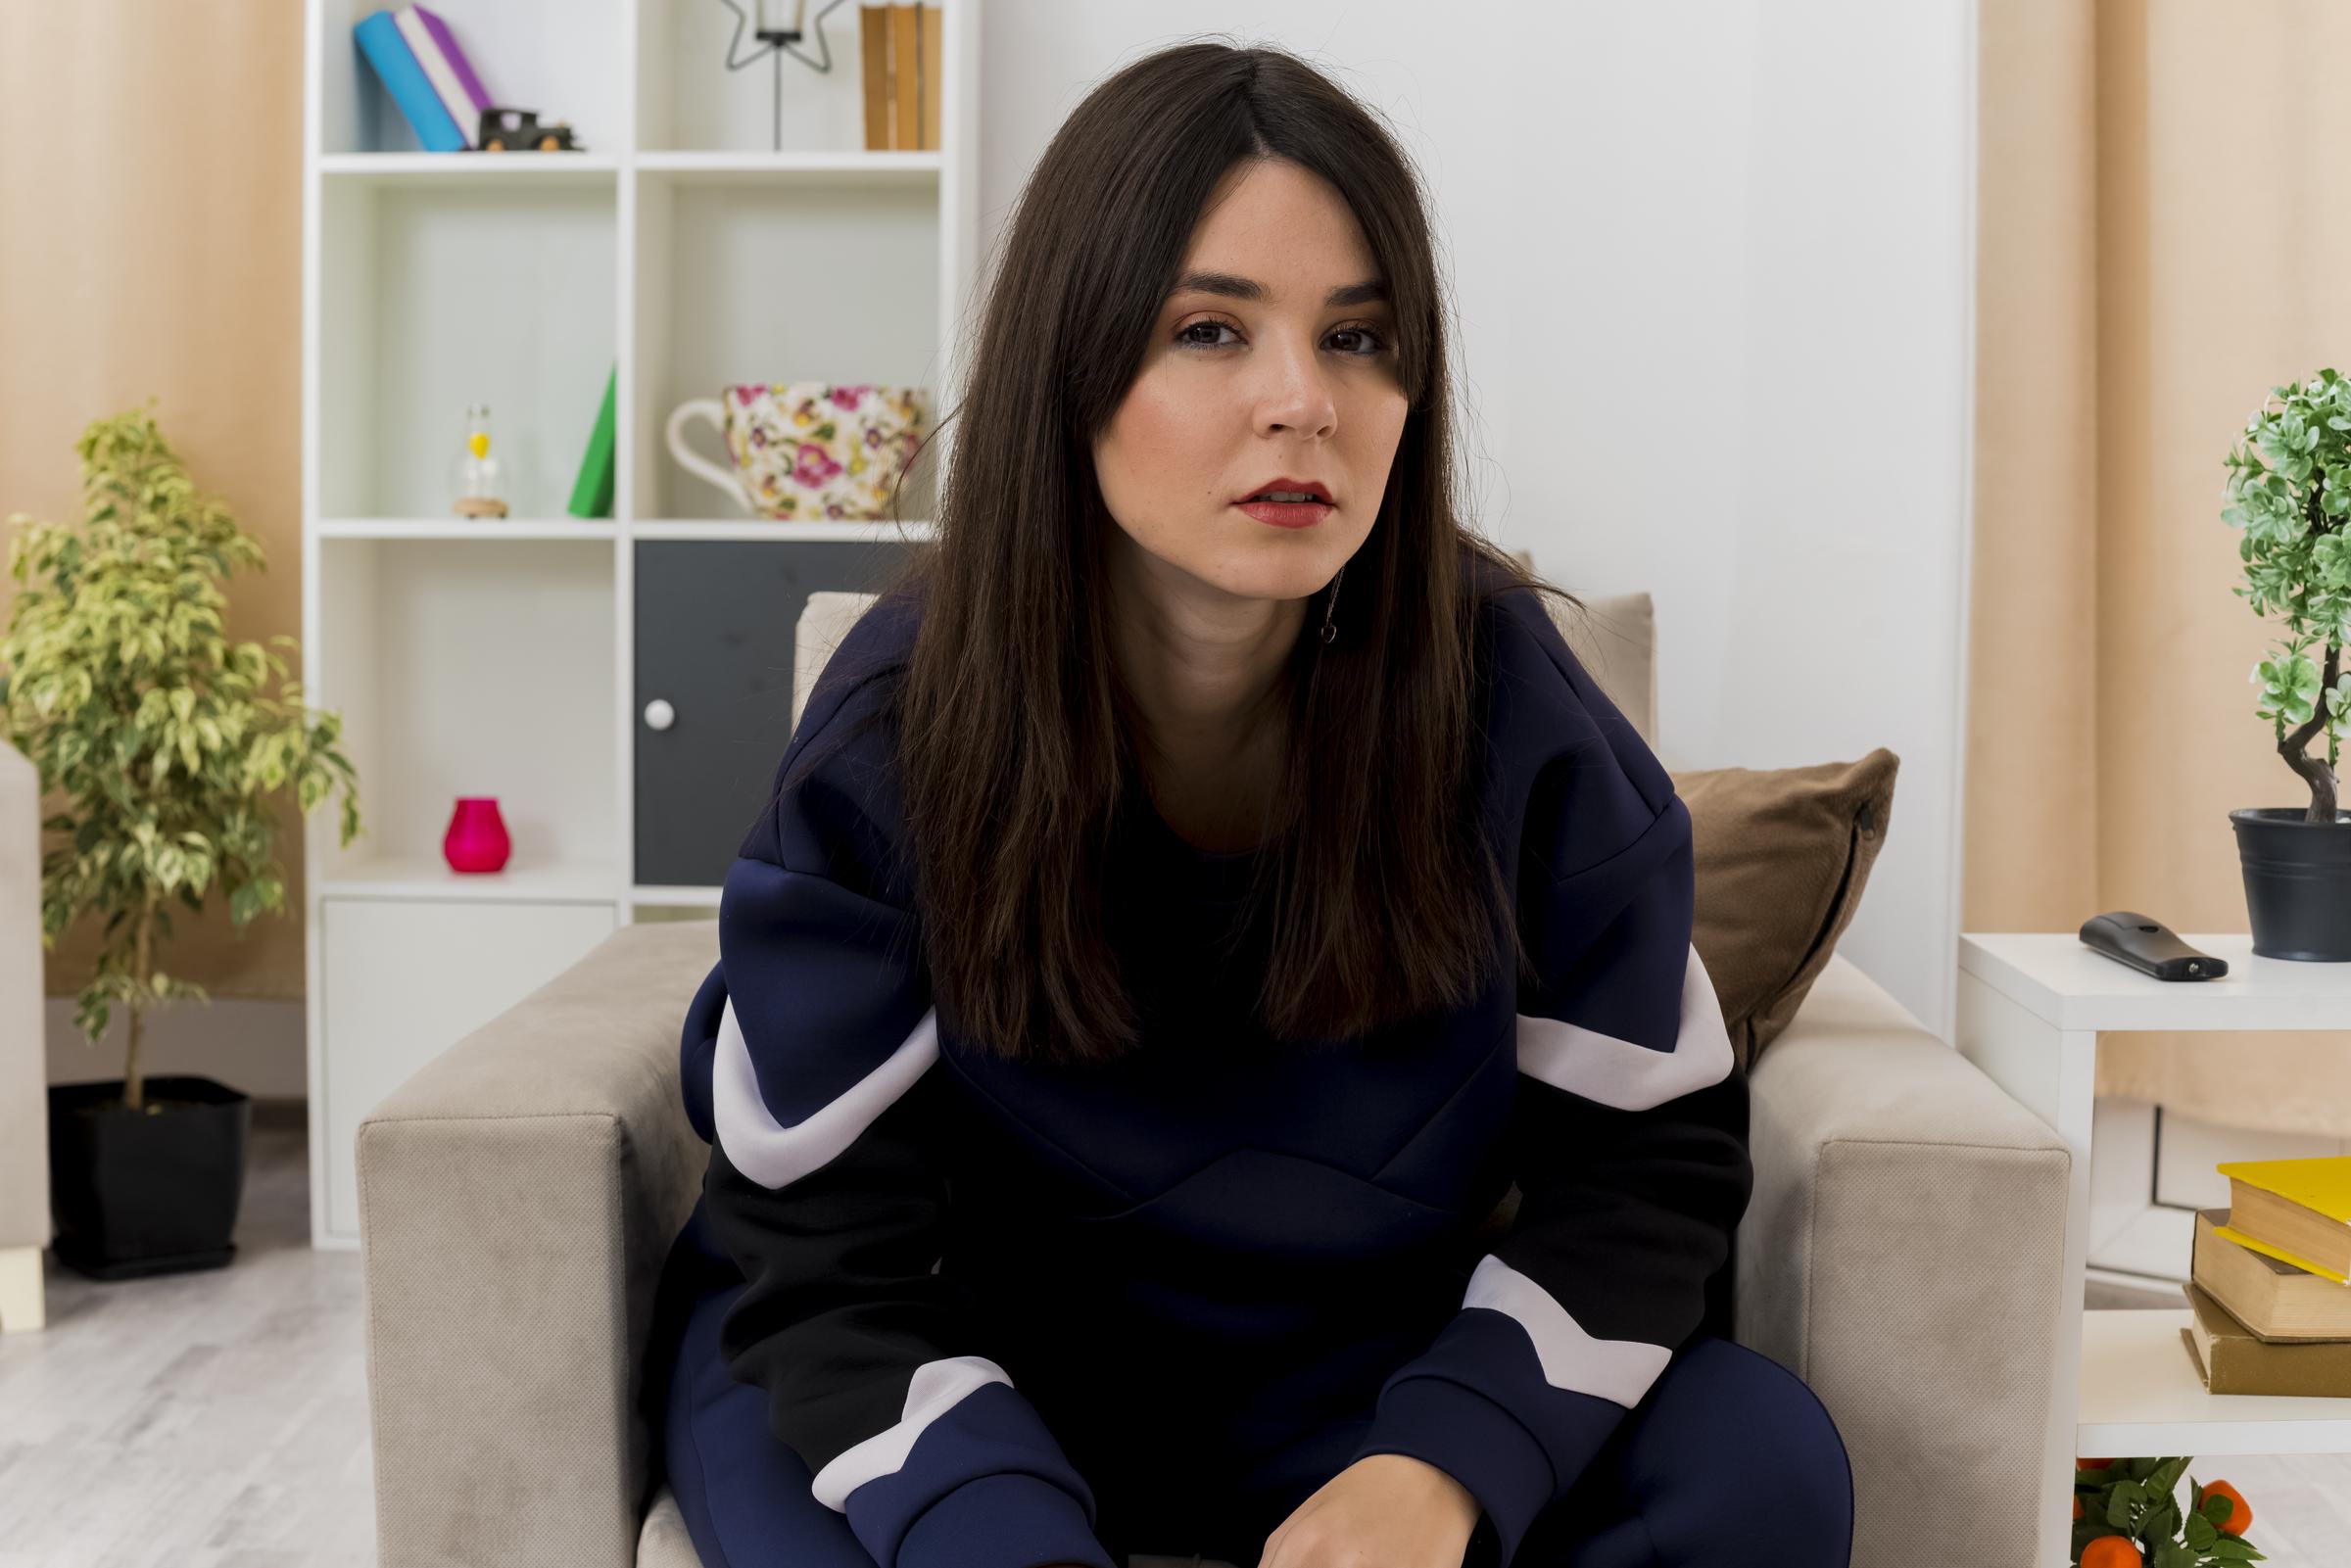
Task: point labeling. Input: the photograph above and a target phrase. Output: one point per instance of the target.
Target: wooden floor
(220, 1419)
(214, 1419)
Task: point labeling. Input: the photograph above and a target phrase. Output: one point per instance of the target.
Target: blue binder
(405, 79)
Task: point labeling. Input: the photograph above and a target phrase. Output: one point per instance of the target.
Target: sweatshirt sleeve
(823, 1187)
(1627, 1138)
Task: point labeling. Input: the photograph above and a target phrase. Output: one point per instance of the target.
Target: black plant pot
(2298, 883)
(152, 1191)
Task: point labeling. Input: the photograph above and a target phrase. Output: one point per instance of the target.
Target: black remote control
(2149, 946)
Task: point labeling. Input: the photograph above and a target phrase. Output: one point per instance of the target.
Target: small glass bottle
(481, 489)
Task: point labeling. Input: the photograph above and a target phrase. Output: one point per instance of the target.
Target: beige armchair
(1902, 1252)
(25, 1228)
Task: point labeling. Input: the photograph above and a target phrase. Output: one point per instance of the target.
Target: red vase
(476, 840)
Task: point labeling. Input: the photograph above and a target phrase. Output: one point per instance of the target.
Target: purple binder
(446, 42)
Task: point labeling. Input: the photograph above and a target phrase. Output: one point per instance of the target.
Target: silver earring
(1329, 631)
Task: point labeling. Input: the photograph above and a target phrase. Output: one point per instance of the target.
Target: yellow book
(2323, 1184)
(2295, 1211)
(2306, 1265)
(2275, 1299)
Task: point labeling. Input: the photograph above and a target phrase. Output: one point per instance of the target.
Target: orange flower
(2091, 1464)
(2111, 1552)
(2241, 1512)
(2076, 1507)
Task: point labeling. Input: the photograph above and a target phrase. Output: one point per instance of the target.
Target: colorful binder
(405, 79)
(446, 68)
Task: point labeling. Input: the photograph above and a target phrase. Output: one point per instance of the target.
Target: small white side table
(2030, 1008)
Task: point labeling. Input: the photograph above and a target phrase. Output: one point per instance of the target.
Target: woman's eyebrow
(1236, 287)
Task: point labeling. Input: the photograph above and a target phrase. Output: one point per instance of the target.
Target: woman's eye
(1372, 342)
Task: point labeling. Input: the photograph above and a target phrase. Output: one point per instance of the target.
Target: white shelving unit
(679, 252)
(2031, 1006)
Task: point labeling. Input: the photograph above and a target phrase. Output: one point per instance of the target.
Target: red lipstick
(1291, 512)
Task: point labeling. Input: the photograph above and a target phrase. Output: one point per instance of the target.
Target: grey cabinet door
(714, 636)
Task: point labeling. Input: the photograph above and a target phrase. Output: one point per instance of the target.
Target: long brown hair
(1015, 733)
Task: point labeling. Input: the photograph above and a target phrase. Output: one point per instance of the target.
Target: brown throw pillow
(1780, 857)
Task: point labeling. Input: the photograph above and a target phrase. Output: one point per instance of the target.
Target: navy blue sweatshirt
(1011, 1314)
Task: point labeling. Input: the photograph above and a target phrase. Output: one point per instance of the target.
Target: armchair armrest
(1903, 1252)
(517, 1197)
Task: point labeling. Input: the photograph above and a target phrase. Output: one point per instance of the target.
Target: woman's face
(1267, 363)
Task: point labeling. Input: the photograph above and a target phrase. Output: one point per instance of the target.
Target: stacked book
(2270, 1280)
(417, 59)
(901, 46)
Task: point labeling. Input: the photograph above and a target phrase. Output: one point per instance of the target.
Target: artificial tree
(2289, 489)
(118, 682)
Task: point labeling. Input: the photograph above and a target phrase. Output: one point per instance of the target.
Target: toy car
(518, 130)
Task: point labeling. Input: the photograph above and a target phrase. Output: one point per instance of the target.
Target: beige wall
(151, 208)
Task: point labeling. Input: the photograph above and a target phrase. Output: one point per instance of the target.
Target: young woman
(1193, 897)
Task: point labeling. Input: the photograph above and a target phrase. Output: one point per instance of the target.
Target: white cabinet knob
(659, 715)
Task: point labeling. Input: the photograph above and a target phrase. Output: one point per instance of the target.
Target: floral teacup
(809, 451)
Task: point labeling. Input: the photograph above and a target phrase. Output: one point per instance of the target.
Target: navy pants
(1729, 1461)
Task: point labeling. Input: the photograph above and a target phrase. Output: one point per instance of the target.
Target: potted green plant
(2289, 489)
(118, 682)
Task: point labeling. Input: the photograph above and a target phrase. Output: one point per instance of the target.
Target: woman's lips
(1288, 513)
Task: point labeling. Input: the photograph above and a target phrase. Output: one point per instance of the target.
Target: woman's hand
(1388, 1509)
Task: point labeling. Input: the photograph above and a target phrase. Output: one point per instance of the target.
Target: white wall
(1713, 267)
